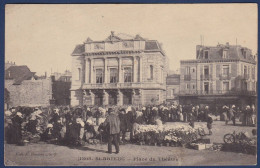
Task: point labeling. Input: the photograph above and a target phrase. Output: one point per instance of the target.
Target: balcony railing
(224, 76)
(217, 92)
(206, 77)
(130, 85)
(187, 77)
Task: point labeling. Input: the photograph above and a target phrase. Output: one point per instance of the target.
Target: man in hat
(113, 123)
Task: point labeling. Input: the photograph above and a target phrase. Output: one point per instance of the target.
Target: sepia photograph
(131, 84)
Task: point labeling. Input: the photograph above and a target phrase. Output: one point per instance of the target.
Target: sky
(44, 36)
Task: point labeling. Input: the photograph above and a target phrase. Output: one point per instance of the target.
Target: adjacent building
(24, 88)
(119, 70)
(222, 74)
(173, 88)
(61, 84)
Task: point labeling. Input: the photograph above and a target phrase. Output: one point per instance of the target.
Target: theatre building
(119, 70)
(220, 75)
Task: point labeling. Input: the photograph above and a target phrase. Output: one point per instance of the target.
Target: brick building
(118, 70)
(25, 88)
(172, 88)
(222, 74)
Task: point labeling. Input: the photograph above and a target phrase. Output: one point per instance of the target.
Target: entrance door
(206, 88)
(98, 99)
(127, 98)
(112, 99)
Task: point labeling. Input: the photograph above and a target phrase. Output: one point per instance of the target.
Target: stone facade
(29, 92)
(222, 74)
(119, 70)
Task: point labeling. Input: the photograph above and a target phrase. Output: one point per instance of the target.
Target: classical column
(119, 98)
(135, 69)
(141, 97)
(134, 97)
(105, 70)
(91, 61)
(119, 70)
(86, 70)
(105, 97)
(92, 96)
(141, 69)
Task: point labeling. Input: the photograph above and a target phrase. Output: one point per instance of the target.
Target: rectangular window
(206, 88)
(253, 72)
(173, 92)
(128, 74)
(99, 75)
(193, 86)
(206, 72)
(245, 71)
(206, 54)
(225, 86)
(225, 70)
(151, 72)
(187, 71)
(113, 75)
(187, 86)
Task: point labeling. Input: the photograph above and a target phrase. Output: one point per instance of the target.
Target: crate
(199, 146)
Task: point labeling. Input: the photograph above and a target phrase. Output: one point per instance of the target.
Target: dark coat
(113, 122)
(123, 122)
(55, 118)
(15, 130)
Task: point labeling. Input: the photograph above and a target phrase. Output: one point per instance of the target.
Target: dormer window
(206, 54)
(224, 54)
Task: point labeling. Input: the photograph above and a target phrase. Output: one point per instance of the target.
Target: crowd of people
(76, 126)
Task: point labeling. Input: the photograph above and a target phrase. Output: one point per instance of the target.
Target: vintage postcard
(130, 84)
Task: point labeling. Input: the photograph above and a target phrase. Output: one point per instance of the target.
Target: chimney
(45, 74)
(227, 44)
(14, 63)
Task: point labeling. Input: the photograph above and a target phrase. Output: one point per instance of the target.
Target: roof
(19, 74)
(79, 49)
(233, 52)
(173, 79)
(150, 45)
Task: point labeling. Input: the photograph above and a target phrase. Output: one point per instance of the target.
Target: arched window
(151, 72)
(79, 73)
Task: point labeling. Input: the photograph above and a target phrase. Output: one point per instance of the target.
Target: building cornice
(211, 61)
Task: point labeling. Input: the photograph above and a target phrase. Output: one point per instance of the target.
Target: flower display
(182, 134)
